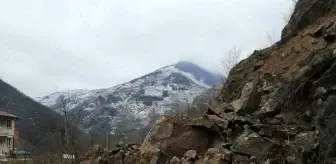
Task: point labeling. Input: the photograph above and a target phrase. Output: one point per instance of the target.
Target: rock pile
(278, 105)
(122, 154)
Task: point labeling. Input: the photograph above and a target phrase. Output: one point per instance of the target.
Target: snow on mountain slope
(133, 105)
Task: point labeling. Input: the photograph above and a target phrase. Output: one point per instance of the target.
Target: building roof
(5, 114)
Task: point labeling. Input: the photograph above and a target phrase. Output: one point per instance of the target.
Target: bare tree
(70, 133)
(271, 38)
(230, 59)
(66, 123)
(74, 134)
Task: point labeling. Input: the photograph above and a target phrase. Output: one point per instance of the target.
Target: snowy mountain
(133, 105)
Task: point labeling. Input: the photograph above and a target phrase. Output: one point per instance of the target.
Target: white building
(7, 133)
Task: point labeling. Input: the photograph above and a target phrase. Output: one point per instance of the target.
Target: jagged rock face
(306, 13)
(295, 85)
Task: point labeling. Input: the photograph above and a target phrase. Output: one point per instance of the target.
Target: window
(9, 124)
(9, 142)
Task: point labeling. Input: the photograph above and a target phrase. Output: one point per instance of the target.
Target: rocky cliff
(277, 105)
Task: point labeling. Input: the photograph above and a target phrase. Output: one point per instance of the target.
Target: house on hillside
(7, 133)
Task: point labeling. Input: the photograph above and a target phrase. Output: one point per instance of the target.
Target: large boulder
(251, 143)
(173, 136)
(248, 100)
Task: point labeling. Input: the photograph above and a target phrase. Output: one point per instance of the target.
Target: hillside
(36, 123)
(277, 106)
(128, 108)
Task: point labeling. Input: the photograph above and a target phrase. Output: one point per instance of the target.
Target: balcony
(4, 131)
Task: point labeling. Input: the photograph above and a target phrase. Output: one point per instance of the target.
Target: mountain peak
(185, 62)
(201, 74)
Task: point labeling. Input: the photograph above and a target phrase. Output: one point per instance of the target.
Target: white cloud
(50, 45)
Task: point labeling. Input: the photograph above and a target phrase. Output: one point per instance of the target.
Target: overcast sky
(56, 45)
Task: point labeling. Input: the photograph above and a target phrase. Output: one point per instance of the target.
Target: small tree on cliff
(230, 59)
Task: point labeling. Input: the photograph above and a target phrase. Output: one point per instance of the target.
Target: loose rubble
(277, 106)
